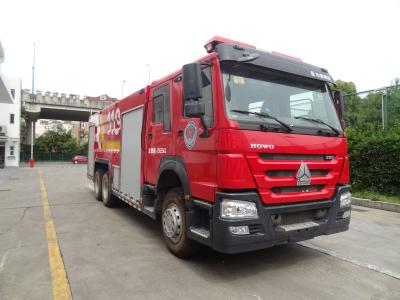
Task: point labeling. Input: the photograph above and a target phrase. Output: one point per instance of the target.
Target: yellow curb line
(61, 289)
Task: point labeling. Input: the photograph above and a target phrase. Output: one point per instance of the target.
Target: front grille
(297, 189)
(255, 228)
(275, 176)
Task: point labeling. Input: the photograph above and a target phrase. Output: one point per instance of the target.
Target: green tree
(56, 139)
(351, 102)
(347, 87)
(83, 148)
(23, 125)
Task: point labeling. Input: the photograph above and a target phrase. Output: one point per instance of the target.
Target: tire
(75, 162)
(97, 179)
(173, 223)
(108, 198)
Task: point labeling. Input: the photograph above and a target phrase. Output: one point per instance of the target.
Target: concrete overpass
(60, 107)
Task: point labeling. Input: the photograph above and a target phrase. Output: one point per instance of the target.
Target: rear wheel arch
(102, 164)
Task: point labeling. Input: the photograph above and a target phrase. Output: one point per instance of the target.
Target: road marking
(3, 261)
(353, 261)
(61, 289)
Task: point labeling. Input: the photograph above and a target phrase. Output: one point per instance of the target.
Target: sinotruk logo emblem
(303, 175)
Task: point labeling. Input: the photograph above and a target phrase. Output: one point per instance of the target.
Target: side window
(207, 97)
(161, 107)
(158, 109)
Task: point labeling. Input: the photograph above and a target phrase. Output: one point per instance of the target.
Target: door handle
(180, 133)
(150, 135)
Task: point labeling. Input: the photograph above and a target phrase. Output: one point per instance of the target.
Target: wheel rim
(104, 188)
(172, 223)
(96, 184)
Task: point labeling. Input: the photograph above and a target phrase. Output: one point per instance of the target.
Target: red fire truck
(241, 150)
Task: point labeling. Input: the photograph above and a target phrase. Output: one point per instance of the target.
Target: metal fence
(38, 156)
(373, 109)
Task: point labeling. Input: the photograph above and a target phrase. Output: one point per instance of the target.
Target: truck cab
(244, 149)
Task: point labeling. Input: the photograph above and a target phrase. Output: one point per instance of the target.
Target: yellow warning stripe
(61, 289)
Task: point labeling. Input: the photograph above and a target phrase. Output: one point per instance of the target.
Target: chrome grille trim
(299, 157)
(287, 173)
(296, 189)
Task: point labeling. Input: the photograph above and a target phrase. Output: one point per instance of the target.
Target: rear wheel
(174, 225)
(108, 199)
(97, 184)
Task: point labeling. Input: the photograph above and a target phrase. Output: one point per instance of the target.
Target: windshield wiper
(264, 115)
(319, 122)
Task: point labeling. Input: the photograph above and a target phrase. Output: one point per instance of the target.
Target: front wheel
(174, 225)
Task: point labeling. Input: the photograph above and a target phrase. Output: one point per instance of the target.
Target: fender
(103, 162)
(177, 165)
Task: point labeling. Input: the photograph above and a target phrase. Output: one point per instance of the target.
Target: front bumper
(264, 233)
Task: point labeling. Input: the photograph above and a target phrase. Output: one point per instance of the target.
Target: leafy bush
(56, 140)
(375, 160)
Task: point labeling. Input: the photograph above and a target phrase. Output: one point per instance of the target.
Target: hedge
(375, 160)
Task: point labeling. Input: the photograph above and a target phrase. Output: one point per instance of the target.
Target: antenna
(149, 72)
(33, 69)
(122, 88)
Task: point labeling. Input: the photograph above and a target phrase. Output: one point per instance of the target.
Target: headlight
(236, 209)
(345, 199)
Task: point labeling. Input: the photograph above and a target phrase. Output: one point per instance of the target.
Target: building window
(12, 117)
(12, 93)
(12, 150)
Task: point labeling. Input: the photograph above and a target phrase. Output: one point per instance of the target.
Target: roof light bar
(214, 41)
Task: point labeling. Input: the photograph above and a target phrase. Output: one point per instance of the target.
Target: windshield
(304, 104)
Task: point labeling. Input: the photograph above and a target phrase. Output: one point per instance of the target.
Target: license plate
(299, 226)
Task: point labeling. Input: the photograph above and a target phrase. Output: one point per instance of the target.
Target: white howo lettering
(262, 146)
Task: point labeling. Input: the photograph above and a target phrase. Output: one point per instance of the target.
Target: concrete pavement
(119, 253)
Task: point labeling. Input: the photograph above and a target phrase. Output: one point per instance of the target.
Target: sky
(108, 47)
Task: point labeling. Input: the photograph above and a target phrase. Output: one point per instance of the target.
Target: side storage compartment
(129, 179)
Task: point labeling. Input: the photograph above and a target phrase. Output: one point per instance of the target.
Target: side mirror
(339, 103)
(193, 90)
(192, 83)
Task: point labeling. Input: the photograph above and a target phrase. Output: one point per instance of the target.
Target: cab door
(159, 139)
(198, 151)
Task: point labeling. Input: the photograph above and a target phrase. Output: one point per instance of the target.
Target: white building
(10, 116)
